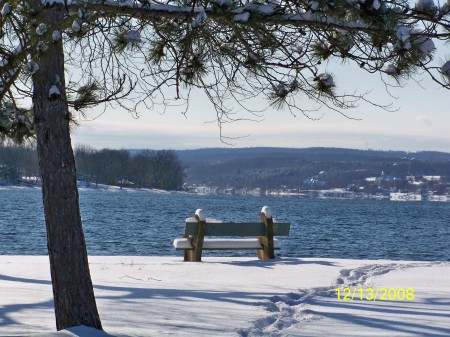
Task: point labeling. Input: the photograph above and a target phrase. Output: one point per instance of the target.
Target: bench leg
(267, 252)
(266, 241)
(195, 254)
(188, 255)
(192, 255)
(261, 254)
(197, 241)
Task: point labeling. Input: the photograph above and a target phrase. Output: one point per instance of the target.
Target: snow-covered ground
(243, 297)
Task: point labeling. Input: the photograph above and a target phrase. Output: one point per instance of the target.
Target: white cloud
(299, 133)
(424, 120)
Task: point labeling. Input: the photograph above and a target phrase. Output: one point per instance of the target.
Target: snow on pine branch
(302, 14)
(270, 38)
(127, 4)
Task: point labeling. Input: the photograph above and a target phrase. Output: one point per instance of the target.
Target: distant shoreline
(336, 193)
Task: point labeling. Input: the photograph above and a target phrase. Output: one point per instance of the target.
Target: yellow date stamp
(378, 294)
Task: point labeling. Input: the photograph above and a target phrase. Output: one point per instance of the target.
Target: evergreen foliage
(138, 50)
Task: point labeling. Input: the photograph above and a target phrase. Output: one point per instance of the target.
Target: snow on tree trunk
(74, 299)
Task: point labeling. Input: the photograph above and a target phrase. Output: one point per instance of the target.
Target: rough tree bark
(73, 292)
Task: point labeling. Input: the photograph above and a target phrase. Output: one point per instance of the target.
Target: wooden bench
(264, 243)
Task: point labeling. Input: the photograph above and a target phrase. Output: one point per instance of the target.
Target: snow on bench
(263, 232)
(225, 244)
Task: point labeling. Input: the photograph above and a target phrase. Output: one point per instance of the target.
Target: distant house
(125, 183)
(313, 183)
(432, 178)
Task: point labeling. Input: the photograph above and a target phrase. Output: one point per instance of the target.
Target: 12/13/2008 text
(378, 294)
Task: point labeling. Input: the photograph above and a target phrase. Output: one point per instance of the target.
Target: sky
(419, 121)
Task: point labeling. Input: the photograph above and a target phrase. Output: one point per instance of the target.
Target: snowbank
(161, 296)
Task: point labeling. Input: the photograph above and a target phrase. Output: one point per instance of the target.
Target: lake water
(145, 223)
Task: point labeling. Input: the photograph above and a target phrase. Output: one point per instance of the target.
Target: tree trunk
(72, 286)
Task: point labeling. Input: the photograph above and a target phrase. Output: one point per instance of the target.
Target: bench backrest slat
(237, 229)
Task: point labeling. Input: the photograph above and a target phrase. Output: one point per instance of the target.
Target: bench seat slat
(225, 244)
(236, 229)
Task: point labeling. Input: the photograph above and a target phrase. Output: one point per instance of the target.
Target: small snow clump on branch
(242, 17)
(56, 36)
(326, 80)
(3, 62)
(84, 13)
(403, 33)
(426, 46)
(314, 5)
(445, 69)
(76, 27)
(376, 5)
(41, 29)
(199, 19)
(54, 92)
(295, 85)
(52, 2)
(391, 69)
(134, 36)
(32, 67)
(266, 9)
(426, 6)
(126, 3)
(42, 47)
(280, 90)
(6, 9)
(446, 7)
